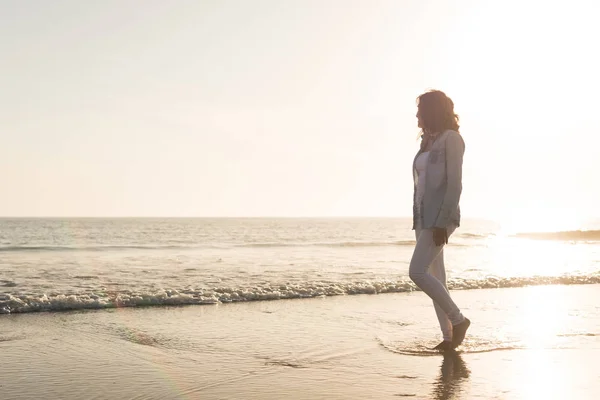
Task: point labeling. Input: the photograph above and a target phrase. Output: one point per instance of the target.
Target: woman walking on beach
(437, 173)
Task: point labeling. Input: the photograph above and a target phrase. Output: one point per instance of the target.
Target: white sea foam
(23, 303)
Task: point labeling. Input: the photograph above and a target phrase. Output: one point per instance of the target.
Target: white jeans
(427, 271)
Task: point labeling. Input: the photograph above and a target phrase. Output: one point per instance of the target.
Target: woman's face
(419, 120)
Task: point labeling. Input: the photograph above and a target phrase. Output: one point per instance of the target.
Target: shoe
(459, 331)
(444, 346)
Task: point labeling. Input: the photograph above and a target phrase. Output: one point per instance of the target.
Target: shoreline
(327, 348)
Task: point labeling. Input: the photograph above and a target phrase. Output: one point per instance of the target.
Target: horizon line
(201, 216)
(475, 217)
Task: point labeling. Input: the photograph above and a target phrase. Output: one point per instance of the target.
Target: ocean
(94, 263)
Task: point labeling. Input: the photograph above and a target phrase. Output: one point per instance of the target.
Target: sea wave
(476, 235)
(101, 299)
(332, 244)
(43, 248)
(591, 236)
(96, 248)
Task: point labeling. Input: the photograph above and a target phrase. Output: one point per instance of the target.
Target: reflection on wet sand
(453, 374)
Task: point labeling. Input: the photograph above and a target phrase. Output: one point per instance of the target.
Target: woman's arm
(455, 148)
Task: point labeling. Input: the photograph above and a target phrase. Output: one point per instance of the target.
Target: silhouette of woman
(437, 173)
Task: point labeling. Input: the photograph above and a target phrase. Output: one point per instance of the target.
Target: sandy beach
(525, 343)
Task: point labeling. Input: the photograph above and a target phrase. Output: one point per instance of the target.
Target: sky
(294, 108)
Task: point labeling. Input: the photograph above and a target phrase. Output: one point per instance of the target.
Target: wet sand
(525, 343)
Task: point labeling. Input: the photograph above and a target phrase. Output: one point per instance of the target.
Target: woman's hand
(440, 236)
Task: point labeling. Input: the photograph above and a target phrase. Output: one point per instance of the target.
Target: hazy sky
(293, 108)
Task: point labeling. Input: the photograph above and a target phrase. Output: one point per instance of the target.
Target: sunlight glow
(541, 219)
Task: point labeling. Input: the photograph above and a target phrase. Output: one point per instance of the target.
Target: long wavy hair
(436, 113)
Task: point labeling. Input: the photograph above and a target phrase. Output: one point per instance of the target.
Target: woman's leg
(425, 253)
(438, 271)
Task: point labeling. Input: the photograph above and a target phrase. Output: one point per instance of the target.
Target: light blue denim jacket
(443, 184)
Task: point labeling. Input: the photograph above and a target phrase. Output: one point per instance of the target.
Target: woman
(437, 172)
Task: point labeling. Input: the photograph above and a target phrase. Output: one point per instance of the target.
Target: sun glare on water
(541, 220)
